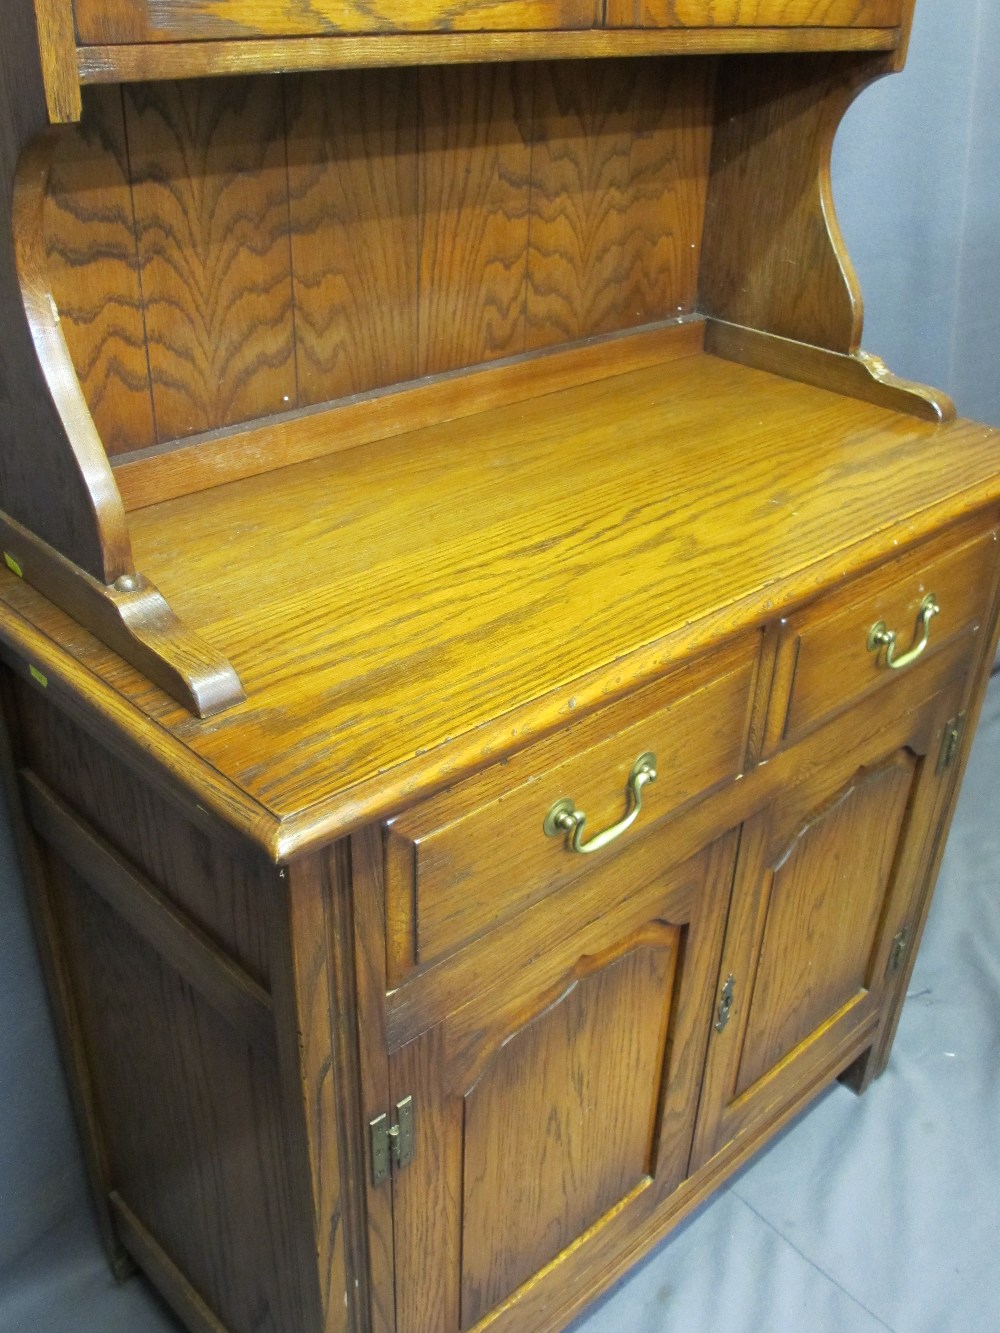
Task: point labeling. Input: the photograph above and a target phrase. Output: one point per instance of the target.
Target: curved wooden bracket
(65, 530)
(855, 374)
(132, 618)
(108, 552)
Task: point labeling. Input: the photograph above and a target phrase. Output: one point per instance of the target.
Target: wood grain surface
(198, 59)
(173, 1083)
(476, 155)
(210, 186)
(354, 214)
(822, 915)
(774, 256)
(571, 1094)
(814, 486)
(613, 1011)
(234, 251)
(162, 473)
(93, 265)
(827, 874)
(559, 609)
(177, 20)
(57, 481)
(754, 13)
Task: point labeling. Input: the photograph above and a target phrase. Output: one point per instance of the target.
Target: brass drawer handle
(879, 636)
(565, 818)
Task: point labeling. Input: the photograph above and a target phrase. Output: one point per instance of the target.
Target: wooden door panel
(826, 876)
(565, 1109)
(558, 1109)
(825, 895)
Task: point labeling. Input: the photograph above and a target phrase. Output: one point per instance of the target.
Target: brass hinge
(897, 953)
(391, 1143)
(950, 742)
(725, 1003)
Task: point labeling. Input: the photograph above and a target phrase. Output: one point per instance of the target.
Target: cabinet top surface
(400, 613)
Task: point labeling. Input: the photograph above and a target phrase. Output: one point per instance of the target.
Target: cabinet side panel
(774, 258)
(193, 1120)
(219, 884)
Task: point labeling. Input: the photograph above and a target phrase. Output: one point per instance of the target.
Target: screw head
(127, 583)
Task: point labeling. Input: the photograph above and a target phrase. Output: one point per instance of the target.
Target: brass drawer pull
(879, 636)
(565, 818)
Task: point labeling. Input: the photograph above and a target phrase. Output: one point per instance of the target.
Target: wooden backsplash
(225, 250)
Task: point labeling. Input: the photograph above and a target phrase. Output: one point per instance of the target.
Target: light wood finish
(352, 232)
(775, 258)
(194, 465)
(93, 267)
(695, 724)
(63, 511)
(758, 13)
(147, 20)
(133, 619)
(46, 483)
(213, 248)
(57, 48)
(185, 60)
(858, 374)
(827, 645)
(354, 222)
(637, 1040)
(841, 464)
(498, 424)
(810, 956)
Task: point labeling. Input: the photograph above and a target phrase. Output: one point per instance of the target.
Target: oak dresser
(488, 660)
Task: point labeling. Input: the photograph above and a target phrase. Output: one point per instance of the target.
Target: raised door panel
(555, 1115)
(112, 21)
(569, 1098)
(825, 894)
(754, 13)
(826, 879)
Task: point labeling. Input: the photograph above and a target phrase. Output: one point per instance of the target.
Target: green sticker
(37, 675)
(13, 566)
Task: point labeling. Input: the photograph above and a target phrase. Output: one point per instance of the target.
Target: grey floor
(865, 1215)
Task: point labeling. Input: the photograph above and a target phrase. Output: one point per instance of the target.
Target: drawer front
(464, 861)
(826, 647)
(754, 13)
(113, 21)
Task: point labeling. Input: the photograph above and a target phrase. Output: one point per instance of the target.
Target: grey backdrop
(917, 179)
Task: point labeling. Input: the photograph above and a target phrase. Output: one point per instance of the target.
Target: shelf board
(138, 62)
(402, 612)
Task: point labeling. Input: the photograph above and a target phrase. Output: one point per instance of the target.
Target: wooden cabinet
(487, 658)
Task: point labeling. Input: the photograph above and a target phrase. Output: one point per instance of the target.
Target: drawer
(825, 649)
(111, 21)
(754, 13)
(463, 861)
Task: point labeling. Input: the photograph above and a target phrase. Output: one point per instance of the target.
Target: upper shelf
(121, 21)
(127, 41)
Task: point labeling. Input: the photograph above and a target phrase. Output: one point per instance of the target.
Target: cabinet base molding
(164, 1274)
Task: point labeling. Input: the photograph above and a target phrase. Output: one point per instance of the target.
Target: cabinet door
(826, 881)
(560, 1107)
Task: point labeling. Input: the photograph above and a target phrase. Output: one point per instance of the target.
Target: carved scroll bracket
(64, 529)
